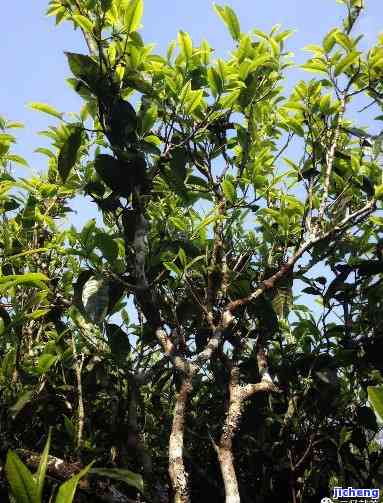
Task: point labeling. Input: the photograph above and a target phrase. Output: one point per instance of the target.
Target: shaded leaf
(122, 474)
(95, 298)
(68, 153)
(107, 246)
(118, 341)
(22, 401)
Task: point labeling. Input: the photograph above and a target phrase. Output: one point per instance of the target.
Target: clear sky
(34, 67)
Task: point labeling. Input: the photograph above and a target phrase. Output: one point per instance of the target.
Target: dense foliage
(216, 334)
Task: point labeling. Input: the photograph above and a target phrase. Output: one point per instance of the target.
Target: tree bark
(177, 471)
(225, 446)
(238, 394)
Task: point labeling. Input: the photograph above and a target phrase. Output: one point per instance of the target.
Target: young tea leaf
(133, 15)
(47, 109)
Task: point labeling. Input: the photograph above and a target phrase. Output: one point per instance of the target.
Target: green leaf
(45, 151)
(17, 159)
(149, 118)
(115, 174)
(86, 69)
(42, 468)
(193, 101)
(118, 341)
(315, 65)
(29, 213)
(70, 428)
(23, 486)
(8, 364)
(107, 246)
(35, 279)
(182, 257)
(170, 266)
(45, 362)
(228, 189)
(106, 5)
(67, 490)
(325, 103)
(329, 40)
(345, 63)
(68, 153)
(86, 235)
(38, 313)
(208, 220)
(47, 109)
(366, 418)
(22, 401)
(375, 396)
(83, 22)
(186, 44)
(95, 298)
(379, 192)
(215, 81)
(133, 15)
(230, 19)
(130, 478)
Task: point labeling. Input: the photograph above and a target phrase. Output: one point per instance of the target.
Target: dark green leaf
(68, 153)
(118, 341)
(22, 401)
(107, 246)
(130, 478)
(115, 174)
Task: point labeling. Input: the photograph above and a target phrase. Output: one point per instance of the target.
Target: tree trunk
(177, 472)
(225, 447)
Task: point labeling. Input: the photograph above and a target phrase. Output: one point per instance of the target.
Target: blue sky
(34, 67)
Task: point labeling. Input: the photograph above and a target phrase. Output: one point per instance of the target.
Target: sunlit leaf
(84, 23)
(133, 15)
(375, 396)
(47, 109)
(230, 19)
